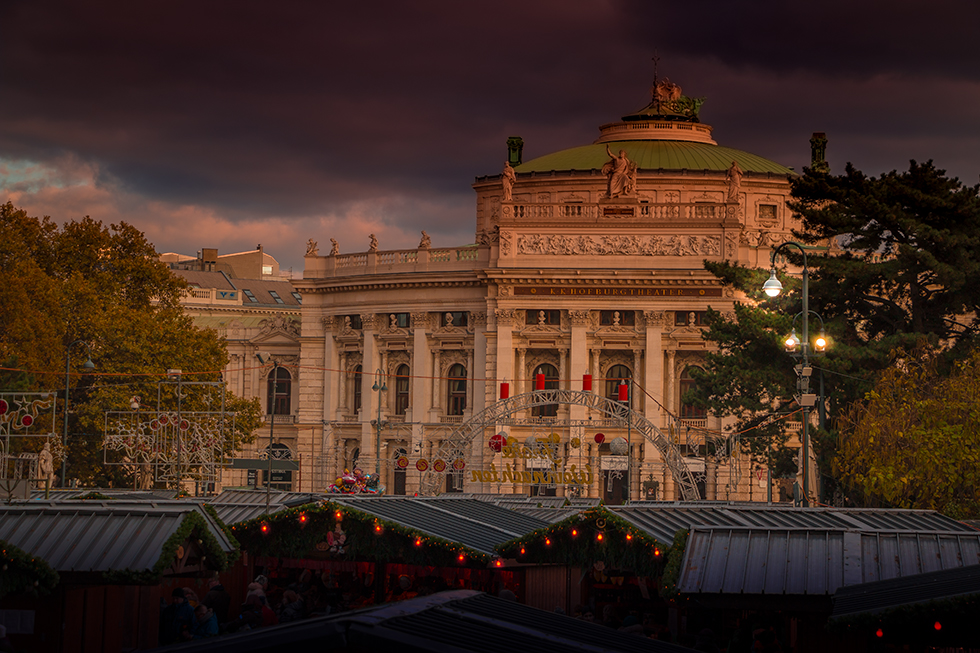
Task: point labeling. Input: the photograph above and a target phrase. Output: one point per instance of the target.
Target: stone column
(671, 402)
(420, 372)
(579, 358)
(486, 386)
(653, 373)
(332, 381)
(369, 398)
(505, 351)
(521, 373)
(436, 380)
(471, 381)
(342, 403)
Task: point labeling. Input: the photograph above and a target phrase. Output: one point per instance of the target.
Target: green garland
(590, 536)
(672, 572)
(902, 617)
(295, 533)
(226, 530)
(21, 573)
(193, 526)
(95, 496)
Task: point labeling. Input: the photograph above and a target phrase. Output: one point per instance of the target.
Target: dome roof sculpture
(665, 135)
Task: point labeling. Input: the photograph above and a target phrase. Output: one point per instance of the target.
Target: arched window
(402, 383)
(279, 391)
(614, 377)
(689, 411)
(550, 383)
(457, 390)
(356, 381)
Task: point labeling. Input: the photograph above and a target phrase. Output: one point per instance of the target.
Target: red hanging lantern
(587, 382)
(539, 381)
(624, 392)
(504, 390)
(600, 438)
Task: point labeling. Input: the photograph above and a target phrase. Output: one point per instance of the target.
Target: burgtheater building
(552, 356)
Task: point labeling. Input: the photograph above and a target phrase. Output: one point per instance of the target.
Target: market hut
(111, 558)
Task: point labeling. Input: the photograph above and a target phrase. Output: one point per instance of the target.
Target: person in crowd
(218, 599)
(205, 623)
(191, 597)
(291, 607)
(176, 618)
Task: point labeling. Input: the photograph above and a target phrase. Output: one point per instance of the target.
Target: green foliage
(891, 261)
(21, 573)
(101, 285)
(296, 532)
(672, 572)
(915, 439)
(575, 541)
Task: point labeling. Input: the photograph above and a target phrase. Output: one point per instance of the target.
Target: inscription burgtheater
(556, 291)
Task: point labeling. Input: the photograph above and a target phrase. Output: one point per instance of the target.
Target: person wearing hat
(177, 618)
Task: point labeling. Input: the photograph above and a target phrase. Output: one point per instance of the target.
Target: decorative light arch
(458, 442)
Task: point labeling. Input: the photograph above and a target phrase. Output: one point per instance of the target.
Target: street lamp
(773, 287)
(379, 375)
(87, 366)
(263, 358)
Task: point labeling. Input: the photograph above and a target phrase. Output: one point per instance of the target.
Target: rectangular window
(550, 318)
(400, 320)
(248, 293)
(276, 297)
(690, 318)
(454, 318)
(617, 318)
(355, 322)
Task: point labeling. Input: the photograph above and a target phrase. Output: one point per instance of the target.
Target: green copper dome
(655, 155)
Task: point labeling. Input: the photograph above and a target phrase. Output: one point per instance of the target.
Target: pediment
(274, 338)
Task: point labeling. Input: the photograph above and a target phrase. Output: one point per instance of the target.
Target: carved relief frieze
(280, 324)
(656, 318)
(478, 320)
(368, 320)
(328, 322)
(731, 246)
(505, 243)
(420, 320)
(562, 245)
(578, 318)
(505, 316)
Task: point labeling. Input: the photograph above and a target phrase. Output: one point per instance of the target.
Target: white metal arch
(457, 443)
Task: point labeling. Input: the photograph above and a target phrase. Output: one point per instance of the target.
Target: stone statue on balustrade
(426, 242)
(311, 248)
(374, 243)
(334, 247)
(508, 178)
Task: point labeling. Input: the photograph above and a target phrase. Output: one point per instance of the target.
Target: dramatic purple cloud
(231, 123)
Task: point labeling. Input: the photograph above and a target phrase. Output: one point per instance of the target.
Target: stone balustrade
(397, 261)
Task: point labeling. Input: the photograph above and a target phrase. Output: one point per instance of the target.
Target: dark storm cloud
(378, 115)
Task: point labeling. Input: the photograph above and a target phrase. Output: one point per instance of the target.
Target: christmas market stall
(347, 552)
(593, 561)
(100, 566)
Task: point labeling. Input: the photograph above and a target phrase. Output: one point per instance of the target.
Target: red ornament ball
(498, 442)
(600, 438)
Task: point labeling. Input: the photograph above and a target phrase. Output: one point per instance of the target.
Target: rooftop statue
(426, 242)
(734, 177)
(374, 243)
(311, 248)
(334, 247)
(620, 174)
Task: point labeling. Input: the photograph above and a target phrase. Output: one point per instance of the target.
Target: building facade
(587, 275)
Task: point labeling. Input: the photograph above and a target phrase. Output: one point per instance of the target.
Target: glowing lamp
(302, 518)
(498, 563)
(522, 550)
(377, 528)
(547, 541)
(937, 626)
(265, 528)
(629, 536)
(461, 557)
(338, 515)
(792, 342)
(656, 552)
(879, 633)
(418, 541)
(772, 287)
(820, 344)
(598, 537)
(574, 532)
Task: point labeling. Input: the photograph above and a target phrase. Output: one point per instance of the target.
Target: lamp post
(379, 375)
(263, 358)
(87, 366)
(772, 287)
